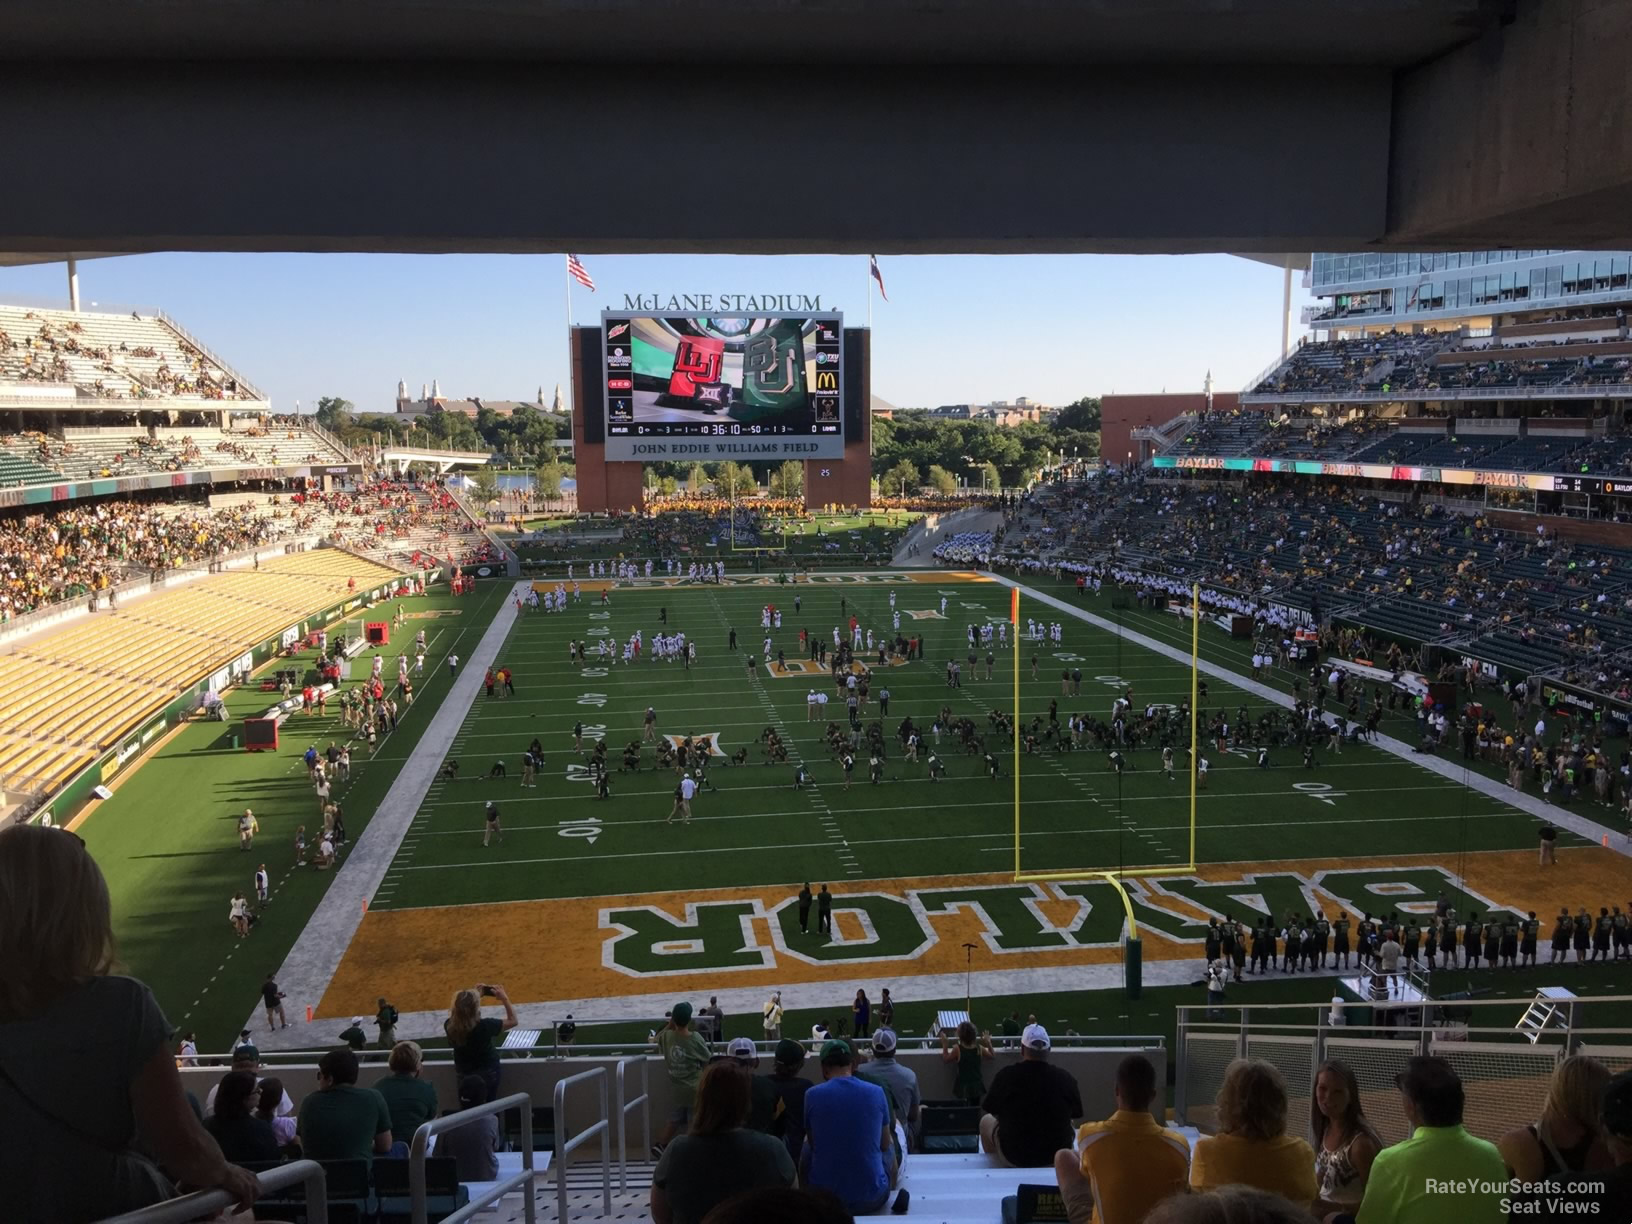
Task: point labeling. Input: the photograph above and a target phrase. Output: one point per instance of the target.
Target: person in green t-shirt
(411, 1100)
(341, 1121)
(685, 1054)
(1010, 1025)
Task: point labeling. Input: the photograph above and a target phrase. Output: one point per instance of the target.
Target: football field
(592, 900)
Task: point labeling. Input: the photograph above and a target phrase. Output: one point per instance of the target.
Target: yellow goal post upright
(1133, 953)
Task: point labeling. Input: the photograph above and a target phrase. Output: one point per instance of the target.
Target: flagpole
(869, 293)
(568, 274)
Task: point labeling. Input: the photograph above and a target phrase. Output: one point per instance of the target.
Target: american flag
(575, 269)
(878, 276)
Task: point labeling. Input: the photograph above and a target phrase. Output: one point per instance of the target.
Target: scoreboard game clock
(1602, 486)
(745, 387)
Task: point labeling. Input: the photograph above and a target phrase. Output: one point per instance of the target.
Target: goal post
(1133, 954)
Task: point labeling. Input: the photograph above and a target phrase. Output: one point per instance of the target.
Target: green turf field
(167, 840)
(1361, 802)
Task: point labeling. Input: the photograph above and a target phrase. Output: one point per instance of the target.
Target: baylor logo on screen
(763, 932)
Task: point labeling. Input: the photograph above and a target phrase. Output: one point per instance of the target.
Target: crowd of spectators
(50, 347)
(113, 455)
(64, 554)
(1433, 361)
(412, 518)
(1353, 365)
(1416, 569)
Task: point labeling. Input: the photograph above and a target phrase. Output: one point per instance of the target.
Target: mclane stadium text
(722, 301)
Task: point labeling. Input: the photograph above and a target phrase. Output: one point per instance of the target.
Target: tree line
(910, 451)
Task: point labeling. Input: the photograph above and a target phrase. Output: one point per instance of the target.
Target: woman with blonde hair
(85, 1055)
(1252, 1147)
(472, 1035)
(1566, 1139)
(1345, 1142)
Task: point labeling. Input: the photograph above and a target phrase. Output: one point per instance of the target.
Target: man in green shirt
(685, 1054)
(410, 1099)
(386, 1017)
(341, 1121)
(1441, 1173)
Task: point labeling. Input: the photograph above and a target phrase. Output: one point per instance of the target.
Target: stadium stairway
(958, 1189)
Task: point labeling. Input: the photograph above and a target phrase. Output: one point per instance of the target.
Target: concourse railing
(564, 1146)
(642, 1103)
(205, 1203)
(522, 1181)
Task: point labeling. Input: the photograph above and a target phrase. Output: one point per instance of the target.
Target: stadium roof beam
(1251, 126)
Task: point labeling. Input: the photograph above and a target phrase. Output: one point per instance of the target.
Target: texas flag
(878, 276)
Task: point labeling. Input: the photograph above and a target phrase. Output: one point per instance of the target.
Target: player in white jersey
(767, 648)
(419, 663)
(895, 620)
(943, 605)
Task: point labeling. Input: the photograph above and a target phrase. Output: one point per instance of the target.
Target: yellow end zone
(568, 948)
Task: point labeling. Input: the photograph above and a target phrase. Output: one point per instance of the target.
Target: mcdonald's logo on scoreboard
(827, 380)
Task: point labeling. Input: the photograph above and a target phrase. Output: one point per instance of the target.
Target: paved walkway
(312, 962)
(1445, 767)
(926, 537)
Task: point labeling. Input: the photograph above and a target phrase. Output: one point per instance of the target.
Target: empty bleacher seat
(443, 1193)
(950, 1126)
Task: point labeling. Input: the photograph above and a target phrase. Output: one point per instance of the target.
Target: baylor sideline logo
(871, 927)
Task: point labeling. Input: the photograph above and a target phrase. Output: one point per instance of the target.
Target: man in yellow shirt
(1125, 1165)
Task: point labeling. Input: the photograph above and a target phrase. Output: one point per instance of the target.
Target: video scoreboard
(744, 387)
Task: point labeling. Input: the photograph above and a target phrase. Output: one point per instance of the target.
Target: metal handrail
(206, 1202)
(522, 1181)
(643, 1101)
(582, 1051)
(564, 1146)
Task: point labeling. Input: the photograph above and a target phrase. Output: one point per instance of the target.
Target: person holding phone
(472, 1035)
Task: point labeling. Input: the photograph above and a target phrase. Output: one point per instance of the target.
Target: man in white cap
(900, 1082)
(1031, 1109)
(762, 1093)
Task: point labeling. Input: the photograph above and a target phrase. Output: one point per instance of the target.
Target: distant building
(999, 412)
(434, 401)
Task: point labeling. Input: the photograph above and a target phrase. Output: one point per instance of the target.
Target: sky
(956, 328)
